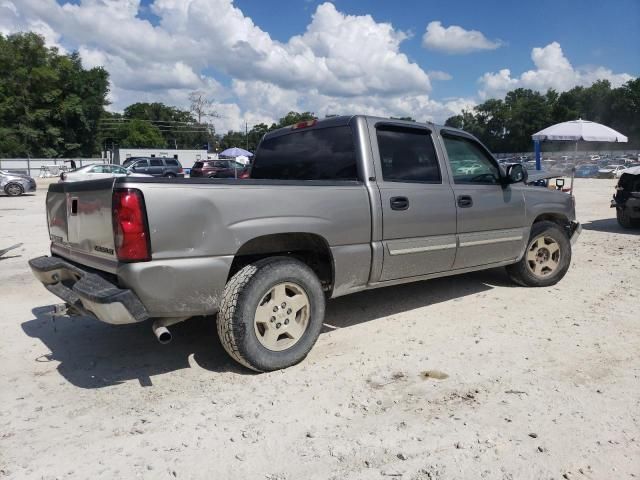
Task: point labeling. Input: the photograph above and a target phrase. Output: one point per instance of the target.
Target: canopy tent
(236, 152)
(575, 131)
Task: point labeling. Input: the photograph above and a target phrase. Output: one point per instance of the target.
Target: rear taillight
(130, 227)
(244, 175)
(180, 170)
(306, 124)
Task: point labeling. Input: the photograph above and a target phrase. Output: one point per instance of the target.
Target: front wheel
(14, 189)
(546, 259)
(271, 313)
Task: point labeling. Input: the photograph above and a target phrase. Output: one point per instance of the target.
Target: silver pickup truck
(332, 207)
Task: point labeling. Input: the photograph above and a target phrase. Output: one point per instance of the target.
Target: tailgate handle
(74, 206)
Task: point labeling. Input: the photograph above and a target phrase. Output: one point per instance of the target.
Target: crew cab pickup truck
(332, 207)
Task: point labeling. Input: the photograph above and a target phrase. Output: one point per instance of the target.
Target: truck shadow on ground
(92, 354)
(609, 225)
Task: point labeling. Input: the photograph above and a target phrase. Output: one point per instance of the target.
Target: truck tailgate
(80, 222)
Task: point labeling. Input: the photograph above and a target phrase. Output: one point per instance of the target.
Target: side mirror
(516, 173)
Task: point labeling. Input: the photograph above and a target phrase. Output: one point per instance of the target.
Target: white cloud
(338, 55)
(456, 40)
(553, 70)
(439, 75)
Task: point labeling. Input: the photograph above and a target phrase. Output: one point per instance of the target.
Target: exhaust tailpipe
(161, 332)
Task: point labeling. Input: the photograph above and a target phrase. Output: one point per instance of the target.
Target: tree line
(507, 125)
(50, 106)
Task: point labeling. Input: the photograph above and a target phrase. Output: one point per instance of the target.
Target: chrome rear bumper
(88, 293)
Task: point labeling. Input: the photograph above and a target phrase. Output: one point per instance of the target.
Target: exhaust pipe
(161, 332)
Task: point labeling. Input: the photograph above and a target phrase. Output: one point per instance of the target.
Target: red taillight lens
(180, 170)
(244, 175)
(130, 229)
(307, 124)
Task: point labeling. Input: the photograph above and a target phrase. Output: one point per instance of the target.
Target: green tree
(507, 125)
(140, 134)
(50, 105)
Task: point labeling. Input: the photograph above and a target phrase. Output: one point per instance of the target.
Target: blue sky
(259, 59)
(590, 31)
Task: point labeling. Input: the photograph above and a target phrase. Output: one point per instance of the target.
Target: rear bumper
(87, 292)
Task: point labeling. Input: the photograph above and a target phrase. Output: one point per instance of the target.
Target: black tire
(170, 175)
(13, 189)
(238, 309)
(521, 272)
(213, 175)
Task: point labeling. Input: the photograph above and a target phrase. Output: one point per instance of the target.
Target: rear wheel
(546, 259)
(13, 189)
(271, 313)
(170, 175)
(623, 219)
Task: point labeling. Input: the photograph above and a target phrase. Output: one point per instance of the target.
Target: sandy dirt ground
(459, 378)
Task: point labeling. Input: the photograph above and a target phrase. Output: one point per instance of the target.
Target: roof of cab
(346, 120)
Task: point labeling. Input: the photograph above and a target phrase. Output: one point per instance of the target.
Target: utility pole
(246, 135)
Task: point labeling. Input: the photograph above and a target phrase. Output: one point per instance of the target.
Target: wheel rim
(282, 316)
(543, 256)
(14, 190)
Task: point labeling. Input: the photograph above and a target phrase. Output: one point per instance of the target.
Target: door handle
(399, 203)
(465, 201)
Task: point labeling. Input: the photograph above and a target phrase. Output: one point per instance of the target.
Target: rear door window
(317, 154)
(156, 162)
(407, 155)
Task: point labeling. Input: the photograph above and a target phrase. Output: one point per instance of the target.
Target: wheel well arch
(558, 218)
(310, 248)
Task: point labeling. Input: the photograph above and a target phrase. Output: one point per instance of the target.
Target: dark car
(156, 166)
(217, 169)
(626, 200)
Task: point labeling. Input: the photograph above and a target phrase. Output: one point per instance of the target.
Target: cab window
(407, 155)
(469, 162)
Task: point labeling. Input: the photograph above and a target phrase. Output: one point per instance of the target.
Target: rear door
(491, 218)
(156, 167)
(418, 207)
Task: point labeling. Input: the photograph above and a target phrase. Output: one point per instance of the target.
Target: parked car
(217, 169)
(610, 171)
(155, 166)
(626, 200)
(16, 184)
(96, 171)
(333, 207)
(587, 171)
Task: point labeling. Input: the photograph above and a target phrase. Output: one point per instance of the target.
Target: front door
(418, 207)
(491, 217)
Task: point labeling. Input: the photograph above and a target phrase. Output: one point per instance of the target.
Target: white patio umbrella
(579, 131)
(575, 131)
